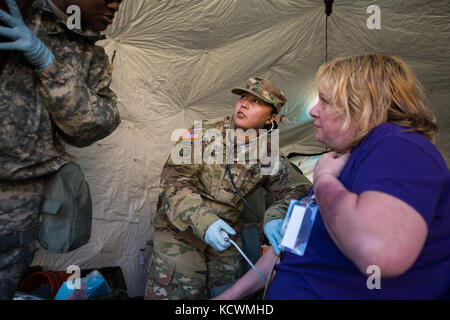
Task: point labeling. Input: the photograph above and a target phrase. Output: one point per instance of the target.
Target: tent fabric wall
(175, 61)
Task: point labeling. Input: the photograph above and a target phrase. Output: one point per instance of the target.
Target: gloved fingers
(276, 249)
(9, 33)
(226, 227)
(8, 19)
(14, 9)
(275, 241)
(9, 45)
(215, 235)
(4, 31)
(222, 242)
(219, 248)
(278, 240)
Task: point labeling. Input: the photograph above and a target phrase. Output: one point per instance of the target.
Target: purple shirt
(405, 165)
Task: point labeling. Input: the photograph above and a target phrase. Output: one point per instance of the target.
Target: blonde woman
(383, 225)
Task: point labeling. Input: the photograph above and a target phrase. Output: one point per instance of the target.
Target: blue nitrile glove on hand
(272, 230)
(215, 238)
(23, 38)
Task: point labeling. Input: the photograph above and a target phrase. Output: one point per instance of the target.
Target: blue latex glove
(215, 238)
(23, 38)
(272, 230)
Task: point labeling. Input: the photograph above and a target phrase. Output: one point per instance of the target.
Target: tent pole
(328, 11)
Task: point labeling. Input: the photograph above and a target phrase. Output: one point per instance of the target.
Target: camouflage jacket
(197, 194)
(69, 100)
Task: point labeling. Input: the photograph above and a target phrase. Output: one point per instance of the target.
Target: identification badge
(297, 225)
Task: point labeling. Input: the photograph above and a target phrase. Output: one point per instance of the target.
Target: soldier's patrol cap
(265, 90)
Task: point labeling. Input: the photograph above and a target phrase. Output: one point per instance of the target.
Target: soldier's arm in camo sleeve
(84, 112)
(181, 199)
(285, 185)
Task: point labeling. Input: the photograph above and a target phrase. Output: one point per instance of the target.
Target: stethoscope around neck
(260, 136)
(252, 210)
(232, 180)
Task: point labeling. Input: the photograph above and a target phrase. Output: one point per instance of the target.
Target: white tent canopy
(175, 61)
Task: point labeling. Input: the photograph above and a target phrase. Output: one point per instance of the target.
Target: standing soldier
(198, 201)
(56, 86)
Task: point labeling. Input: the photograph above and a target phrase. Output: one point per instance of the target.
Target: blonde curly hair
(371, 89)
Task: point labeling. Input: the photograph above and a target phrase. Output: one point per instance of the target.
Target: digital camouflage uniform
(71, 100)
(194, 196)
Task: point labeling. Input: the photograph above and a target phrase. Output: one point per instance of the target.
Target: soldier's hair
(371, 89)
